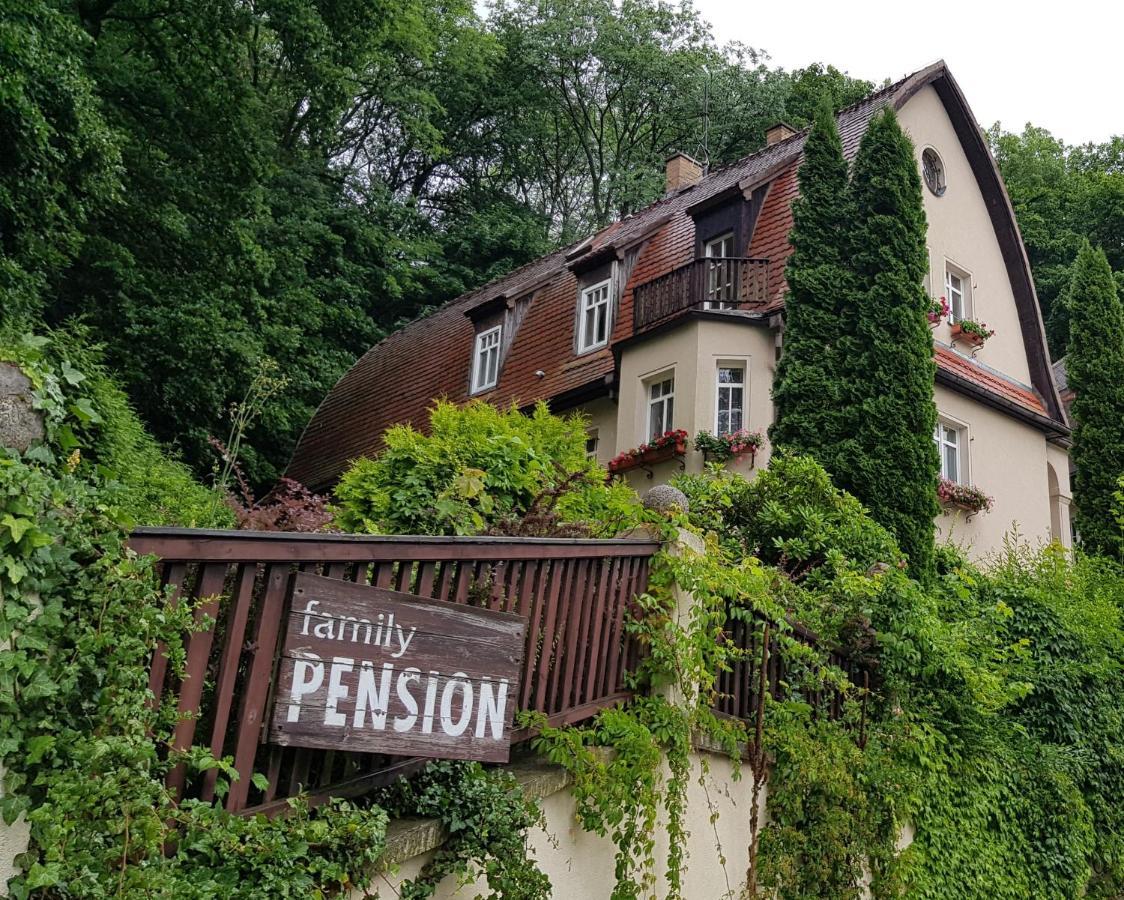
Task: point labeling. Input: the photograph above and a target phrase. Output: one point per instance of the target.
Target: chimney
(782, 131)
(682, 172)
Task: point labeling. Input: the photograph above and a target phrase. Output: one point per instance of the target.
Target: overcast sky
(1059, 65)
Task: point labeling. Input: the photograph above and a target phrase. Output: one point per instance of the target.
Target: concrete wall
(961, 232)
(602, 416)
(580, 864)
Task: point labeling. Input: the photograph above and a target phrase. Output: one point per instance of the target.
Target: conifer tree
(889, 460)
(1095, 369)
(808, 389)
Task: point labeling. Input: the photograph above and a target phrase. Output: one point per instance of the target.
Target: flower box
(964, 497)
(971, 333)
(667, 446)
(938, 309)
(724, 447)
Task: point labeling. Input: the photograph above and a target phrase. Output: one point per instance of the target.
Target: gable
(961, 237)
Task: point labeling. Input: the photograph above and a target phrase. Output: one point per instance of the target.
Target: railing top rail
(197, 544)
(698, 260)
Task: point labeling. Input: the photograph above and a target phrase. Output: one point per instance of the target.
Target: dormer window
(593, 328)
(486, 359)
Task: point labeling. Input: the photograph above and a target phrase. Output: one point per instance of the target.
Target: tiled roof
(398, 379)
(986, 377)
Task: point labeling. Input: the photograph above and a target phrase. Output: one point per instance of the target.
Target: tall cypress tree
(1095, 369)
(889, 460)
(808, 390)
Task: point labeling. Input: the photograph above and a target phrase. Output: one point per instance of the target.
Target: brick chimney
(780, 132)
(682, 172)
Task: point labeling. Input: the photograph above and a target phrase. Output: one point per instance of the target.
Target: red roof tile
(989, 379)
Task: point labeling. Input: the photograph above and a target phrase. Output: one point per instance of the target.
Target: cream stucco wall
(961, 232)
(1007, 460)
(602, 417)
(580, 864)
(693, 351)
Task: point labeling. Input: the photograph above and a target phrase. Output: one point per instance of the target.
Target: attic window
(486, 360)
(593, 327)
(933, 169)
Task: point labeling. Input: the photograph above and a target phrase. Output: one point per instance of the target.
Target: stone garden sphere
(665, 498)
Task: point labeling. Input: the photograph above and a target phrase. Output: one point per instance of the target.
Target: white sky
(1059, 65)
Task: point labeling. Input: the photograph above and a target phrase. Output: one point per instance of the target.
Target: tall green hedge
(809, 393)
(1095, 367)
(889, 460)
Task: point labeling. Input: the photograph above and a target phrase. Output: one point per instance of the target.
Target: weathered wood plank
(366, 669)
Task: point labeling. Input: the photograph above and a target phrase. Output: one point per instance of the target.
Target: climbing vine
(486, 817)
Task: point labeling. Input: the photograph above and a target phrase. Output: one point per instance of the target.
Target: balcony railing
(728, 282)
(574, 594)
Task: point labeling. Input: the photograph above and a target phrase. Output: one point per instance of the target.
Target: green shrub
(482, 469)
(91, 419)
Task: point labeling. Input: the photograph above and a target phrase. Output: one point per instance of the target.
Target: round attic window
(933, 170)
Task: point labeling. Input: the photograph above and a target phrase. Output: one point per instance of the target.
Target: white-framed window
(721, 286)
(950, 440)
(730, 413)
(661, 405)
(591, 442)
(958, 293)
(593, 327)
(486, 359)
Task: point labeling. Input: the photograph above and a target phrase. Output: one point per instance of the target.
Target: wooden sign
(371, 670)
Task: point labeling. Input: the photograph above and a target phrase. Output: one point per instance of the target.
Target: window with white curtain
(593, 327)
(949, 439)
(958, 293)
(730, 414)
(721, 289)
(661, 406)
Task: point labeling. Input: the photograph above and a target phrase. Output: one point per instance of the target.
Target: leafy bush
(791, 516)
(90, 417)
(481, 469)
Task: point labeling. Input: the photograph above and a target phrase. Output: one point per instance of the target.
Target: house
(674, 318)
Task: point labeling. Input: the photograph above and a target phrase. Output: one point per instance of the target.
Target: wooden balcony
(728, 282)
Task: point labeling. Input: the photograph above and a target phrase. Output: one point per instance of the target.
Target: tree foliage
(889, 461)
(810, 392)
(1062, 194)
(1094, 365)
(215, 187)
(480, 469)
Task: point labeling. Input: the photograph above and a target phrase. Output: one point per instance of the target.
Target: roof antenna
(704, 148)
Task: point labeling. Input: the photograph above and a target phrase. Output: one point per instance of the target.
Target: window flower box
(724, 447)
(964, 497)
(669, 445)
(938, 310)
(971, 332)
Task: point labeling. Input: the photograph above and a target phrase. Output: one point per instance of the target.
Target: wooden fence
(573, 592)
(762, 671)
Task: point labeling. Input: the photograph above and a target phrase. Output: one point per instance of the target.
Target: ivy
(486, 818)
